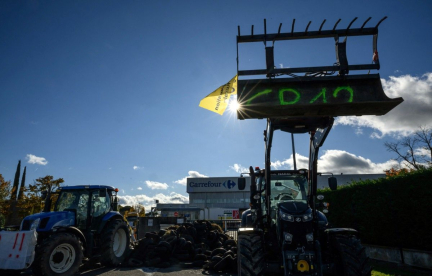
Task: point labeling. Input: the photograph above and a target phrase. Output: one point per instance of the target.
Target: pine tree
(22, 187)
(16, 182)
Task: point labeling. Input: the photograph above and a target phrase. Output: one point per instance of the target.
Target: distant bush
(2, 221)
(392, 211)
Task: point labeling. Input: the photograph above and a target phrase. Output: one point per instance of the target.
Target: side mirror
(115, 205)
(241, 183)
(332, 182)
(44, 194)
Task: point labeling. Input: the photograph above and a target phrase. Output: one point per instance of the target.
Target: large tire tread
(351, 257)
(107, 240)
(41, 266)
(251, 258)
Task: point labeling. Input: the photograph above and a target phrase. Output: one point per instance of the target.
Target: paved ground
(93, 269)
(145, 271)
(96, 269)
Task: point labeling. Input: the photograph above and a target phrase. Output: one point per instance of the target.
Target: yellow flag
(217, 101)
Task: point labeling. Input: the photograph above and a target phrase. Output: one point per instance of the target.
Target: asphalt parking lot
(177, 269)
(181, 269)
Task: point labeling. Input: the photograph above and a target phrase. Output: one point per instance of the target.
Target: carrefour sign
(213, 184)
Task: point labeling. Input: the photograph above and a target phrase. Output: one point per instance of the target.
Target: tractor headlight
(286, 217)
(288, 237)
(307, 217)
(35, 224)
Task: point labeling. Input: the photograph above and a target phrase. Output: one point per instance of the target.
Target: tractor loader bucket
(322, 90)
(354, 95)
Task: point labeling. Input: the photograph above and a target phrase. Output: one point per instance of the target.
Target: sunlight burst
(233, 106)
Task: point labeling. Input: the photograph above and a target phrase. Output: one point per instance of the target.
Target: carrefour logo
(229, 184)
(204, 184)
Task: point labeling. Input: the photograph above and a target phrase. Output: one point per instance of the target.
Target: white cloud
(301, 162)
(139, 188)
(33, 159)
(239, 168)
(359, 131)
(422, 152)
(345, 162)
(192, 174)
(403, 120)
(156, 185)
(137, 168)
(339, 161)
(148, 201)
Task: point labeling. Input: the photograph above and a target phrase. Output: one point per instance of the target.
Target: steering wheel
(280, 196)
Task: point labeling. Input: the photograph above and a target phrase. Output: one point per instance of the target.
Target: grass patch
(390, 269)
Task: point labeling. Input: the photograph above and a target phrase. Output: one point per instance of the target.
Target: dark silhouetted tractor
(285, 231)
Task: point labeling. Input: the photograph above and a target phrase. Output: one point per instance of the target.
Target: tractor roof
(86, 187)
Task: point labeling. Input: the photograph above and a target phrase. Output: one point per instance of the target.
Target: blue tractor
(84, 224)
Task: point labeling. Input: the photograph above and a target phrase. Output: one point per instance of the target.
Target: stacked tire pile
(199, 244)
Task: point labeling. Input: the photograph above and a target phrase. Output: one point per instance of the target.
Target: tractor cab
(89, 205)
(83, 207)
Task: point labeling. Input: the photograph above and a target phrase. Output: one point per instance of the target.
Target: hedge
(393, 211)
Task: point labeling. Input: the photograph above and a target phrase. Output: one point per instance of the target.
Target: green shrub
(2, 221)
(392, 211)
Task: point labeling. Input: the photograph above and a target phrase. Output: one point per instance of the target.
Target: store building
(215, 198)
(211, 198)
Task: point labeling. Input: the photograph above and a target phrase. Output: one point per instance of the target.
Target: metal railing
(231, 226)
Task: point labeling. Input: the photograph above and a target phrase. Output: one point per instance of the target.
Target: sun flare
(233, 106)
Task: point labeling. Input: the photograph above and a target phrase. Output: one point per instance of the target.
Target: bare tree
(415, 150)
(424, 136)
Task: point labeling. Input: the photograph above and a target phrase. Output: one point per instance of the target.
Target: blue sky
(107, 92)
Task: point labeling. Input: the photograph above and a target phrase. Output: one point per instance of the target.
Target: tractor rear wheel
(115, 243)
(351, 258)
(250, 255)
(60, 253)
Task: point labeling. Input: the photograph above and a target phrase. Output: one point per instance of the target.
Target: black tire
(10, 272)
(250, 255)
(59, 254)
(351, 258)
(115, 243)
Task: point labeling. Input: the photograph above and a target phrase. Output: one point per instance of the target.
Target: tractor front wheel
(250, 255)
(115, 243)
(351, 258)
(60, 253)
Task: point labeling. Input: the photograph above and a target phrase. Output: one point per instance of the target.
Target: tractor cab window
(100, 203)
(100, 206)
(75, 201)
(287, 188)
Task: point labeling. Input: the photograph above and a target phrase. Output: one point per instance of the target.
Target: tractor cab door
(77, 202)
(100, 206)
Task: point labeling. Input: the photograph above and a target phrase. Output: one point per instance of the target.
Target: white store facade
(215, 198)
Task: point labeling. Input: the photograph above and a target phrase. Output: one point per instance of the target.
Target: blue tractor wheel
(115, 243)
(59, 254)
